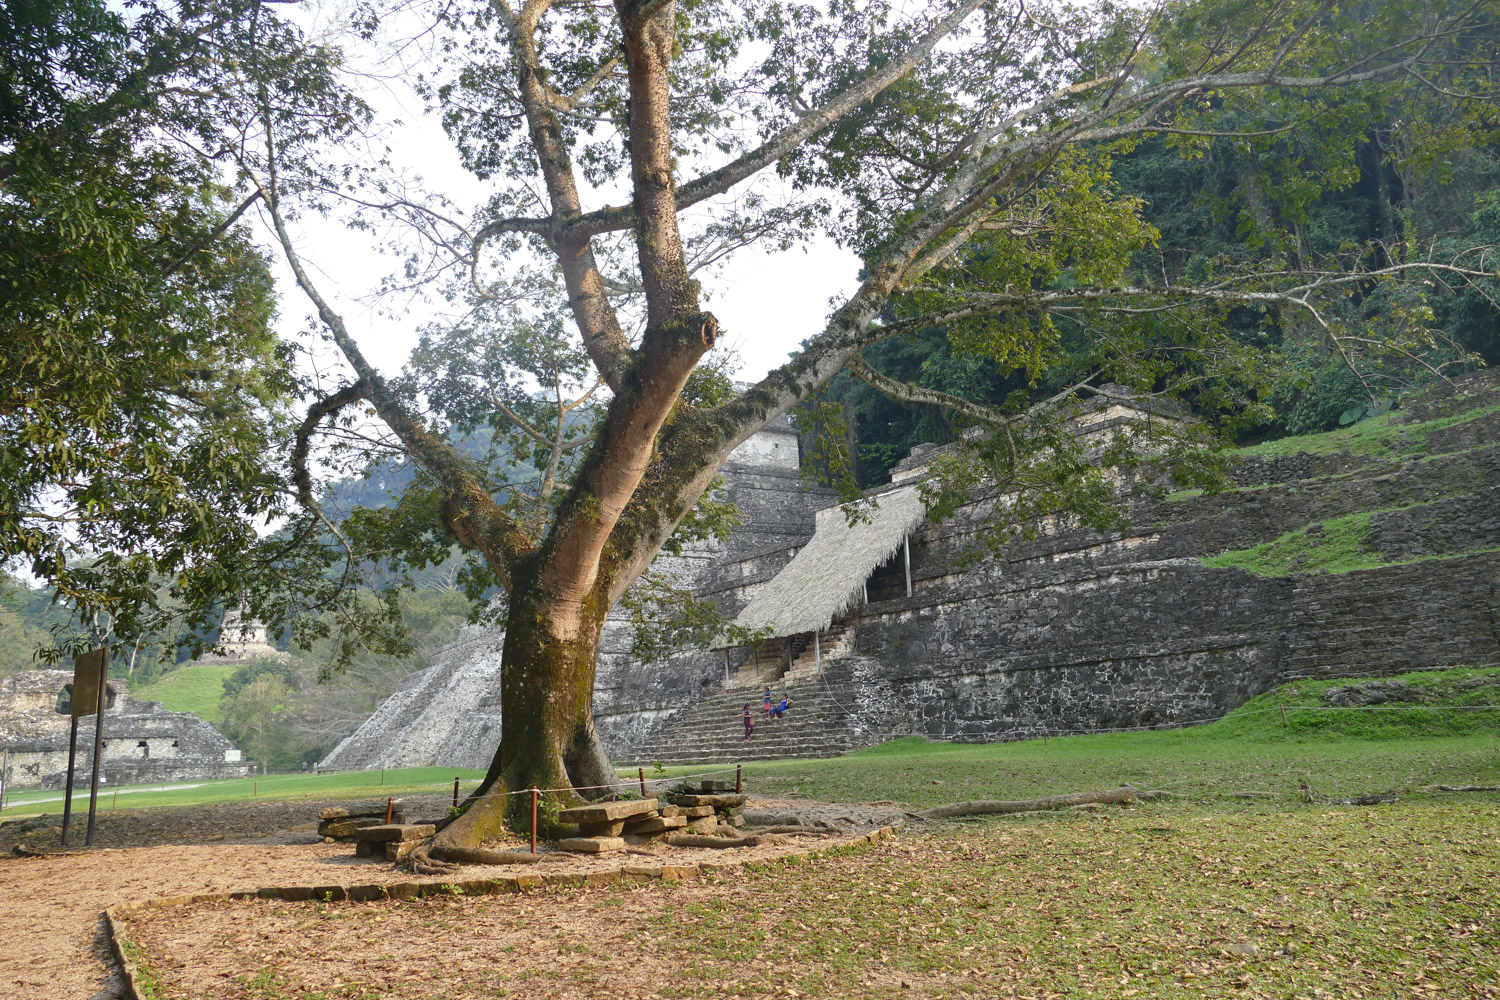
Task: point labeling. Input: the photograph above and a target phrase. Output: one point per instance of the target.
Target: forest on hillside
(1300, 204)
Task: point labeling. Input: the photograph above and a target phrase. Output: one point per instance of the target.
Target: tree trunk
(547, 735)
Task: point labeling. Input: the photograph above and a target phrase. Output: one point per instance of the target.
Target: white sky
(766, 301)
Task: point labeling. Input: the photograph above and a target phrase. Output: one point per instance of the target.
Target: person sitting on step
(781, 709)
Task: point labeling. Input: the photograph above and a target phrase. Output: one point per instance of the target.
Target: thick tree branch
(809, 124)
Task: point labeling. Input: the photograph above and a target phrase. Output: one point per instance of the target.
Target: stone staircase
(711, 731)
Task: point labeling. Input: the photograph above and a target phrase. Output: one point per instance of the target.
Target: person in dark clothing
(766, 706)
(749, 721)
(781, 709)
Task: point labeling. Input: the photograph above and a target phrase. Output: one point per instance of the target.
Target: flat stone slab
(604, 812)
(346, 827)
(352, 812)
(693, 812)
(591, 845)
(717, 801)
(660, 824)
(395, 831)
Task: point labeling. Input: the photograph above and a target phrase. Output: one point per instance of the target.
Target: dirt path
(51, 941)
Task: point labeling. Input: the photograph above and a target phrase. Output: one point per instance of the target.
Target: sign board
(88, 674)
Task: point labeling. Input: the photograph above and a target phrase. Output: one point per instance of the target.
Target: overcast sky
(766, 301)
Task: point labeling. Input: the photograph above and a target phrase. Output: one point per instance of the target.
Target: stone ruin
(142, 741)
(1070, 631)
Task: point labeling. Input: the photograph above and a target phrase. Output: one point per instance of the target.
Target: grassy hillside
(1377, 436)
(194, 689)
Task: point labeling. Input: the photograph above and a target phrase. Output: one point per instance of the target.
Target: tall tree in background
(142, 388)
(964, 152)
(140, 382)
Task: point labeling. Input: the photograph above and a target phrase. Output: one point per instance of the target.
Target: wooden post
(739, 779)
(88, 837)
(455, 793)
(68, 788)
(533, 819)
(390, 810)
(1283, 716)
(642, 772)
(906, 555)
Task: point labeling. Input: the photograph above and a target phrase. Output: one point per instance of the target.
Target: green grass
(1338, 752)
(194, 689)
(1377, 436)
(1334, 547)
(342, 785)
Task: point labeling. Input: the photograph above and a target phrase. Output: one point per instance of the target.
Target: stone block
(356, 812)
(704, 824)
(642, 839)
(367, 849)
(660, 824)
(345, 828)
(395, 831)
(395, 850)
(611, 828)
(603, 812)
(673, 873)
(669, 810)
(694, 812)
(641, 873)
(717, 801)
(591, 845)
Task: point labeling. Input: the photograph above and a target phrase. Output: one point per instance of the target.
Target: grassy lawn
(189, 689)
(343, 785)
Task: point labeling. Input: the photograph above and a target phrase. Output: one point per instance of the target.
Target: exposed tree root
(700, 840)
(483, 856)
(815, 831)
(1111, 796)
(1309, 794)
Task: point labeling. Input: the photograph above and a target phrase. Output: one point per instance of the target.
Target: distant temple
(242, 639)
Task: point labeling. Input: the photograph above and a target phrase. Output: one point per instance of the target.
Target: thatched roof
(829, 574)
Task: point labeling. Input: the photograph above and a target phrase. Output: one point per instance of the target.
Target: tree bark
(547, 737)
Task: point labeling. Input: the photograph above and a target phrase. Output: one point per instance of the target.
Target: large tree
(963, 152)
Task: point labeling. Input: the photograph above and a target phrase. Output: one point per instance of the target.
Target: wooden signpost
(90, 677)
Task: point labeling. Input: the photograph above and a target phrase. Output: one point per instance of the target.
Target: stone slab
(355, 812)
(660, 824)
(395, 831)
(704, 824)
(717, 801)
(602, 812)
(591, 845)
(669, 810)
(346, 827)
(611, 828)
(693, 812)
